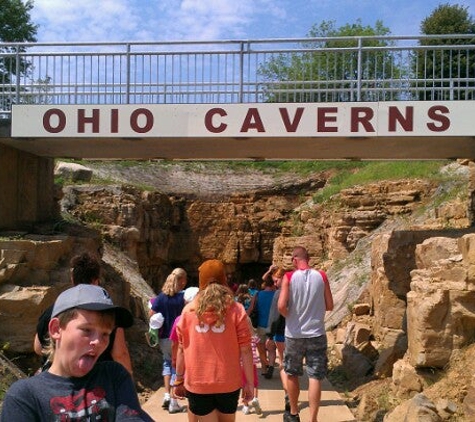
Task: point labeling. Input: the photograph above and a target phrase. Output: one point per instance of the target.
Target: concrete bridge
(321, 98)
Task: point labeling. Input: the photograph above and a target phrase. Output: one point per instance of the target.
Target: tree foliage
(329, 65)
(447, 70)
(15, 26)
(448, 19)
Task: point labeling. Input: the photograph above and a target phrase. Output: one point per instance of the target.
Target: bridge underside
(272, 148)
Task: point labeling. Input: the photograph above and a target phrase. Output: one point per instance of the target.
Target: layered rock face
(33, 271)
(438, 322)
(162, 232)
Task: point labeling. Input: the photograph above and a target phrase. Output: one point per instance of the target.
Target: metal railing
(440, 67)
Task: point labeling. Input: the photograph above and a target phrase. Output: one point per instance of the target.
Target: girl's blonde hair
(215, 298)
(172, 284)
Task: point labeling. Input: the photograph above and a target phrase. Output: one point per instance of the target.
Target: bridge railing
(440, 67)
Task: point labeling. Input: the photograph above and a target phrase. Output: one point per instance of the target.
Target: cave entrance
(255, 270)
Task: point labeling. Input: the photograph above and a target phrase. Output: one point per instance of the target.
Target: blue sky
(168, 20)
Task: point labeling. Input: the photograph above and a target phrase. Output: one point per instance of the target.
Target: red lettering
(363, 116)
(291, 126)
(435, 113)
(59, 114)
(114, 120)
(252, 121)
(134, 120)
(83, 120)
(209, 120)
(323, 118)
(395, 116)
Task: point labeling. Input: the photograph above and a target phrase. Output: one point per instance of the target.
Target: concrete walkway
(271, 398)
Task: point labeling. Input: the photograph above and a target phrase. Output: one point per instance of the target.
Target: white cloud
(85, 20)
(129, 20)
(164, 20)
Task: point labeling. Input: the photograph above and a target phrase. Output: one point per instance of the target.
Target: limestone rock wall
(161, 232)
(441, 303)
(33, 271)
(140, 223)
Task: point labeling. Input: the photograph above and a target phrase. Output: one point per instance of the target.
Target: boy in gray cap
(76, 387)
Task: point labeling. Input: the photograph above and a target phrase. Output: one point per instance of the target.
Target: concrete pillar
(26, 189)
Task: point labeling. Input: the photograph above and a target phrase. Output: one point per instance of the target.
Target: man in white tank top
(305, 297)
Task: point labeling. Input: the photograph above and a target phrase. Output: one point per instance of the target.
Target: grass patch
(300, 167)
(376, 171)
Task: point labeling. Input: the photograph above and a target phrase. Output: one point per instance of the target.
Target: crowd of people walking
(221, 344)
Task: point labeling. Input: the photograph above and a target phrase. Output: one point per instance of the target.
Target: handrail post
(241, 73)
(359, 70)
(127, 83)
(17, 75)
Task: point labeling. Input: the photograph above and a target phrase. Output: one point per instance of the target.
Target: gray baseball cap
(91, 298)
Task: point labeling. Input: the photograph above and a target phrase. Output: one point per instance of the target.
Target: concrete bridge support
(26, 189)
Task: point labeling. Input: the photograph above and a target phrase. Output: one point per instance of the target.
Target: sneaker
(269, 372)
(245, 410)
(288, 417)
(287, 403)
(264, 373)
(257, 406)
(174, 407)
(166, 401)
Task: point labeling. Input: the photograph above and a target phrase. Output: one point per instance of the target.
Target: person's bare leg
(271, 351)
(283, 379)
(191, 416)
(261, 349)
(293, 389)
(226, 417)
(314, 397)
(166, 383)
(216, 416)
(210, 417)
(280, 354)
(283, 376)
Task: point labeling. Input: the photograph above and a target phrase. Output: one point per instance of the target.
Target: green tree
(443, 74)
(15, 26)
(330, 63)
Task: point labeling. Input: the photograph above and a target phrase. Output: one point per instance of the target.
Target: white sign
(401, 118)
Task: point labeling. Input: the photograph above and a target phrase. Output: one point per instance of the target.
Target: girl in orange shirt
(214, 337)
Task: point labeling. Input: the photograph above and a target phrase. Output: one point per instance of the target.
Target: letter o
(61, 120)
(148, 120)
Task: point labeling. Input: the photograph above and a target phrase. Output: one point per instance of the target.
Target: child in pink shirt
(246, 404)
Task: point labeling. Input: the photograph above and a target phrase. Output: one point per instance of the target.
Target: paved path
(271, 398)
